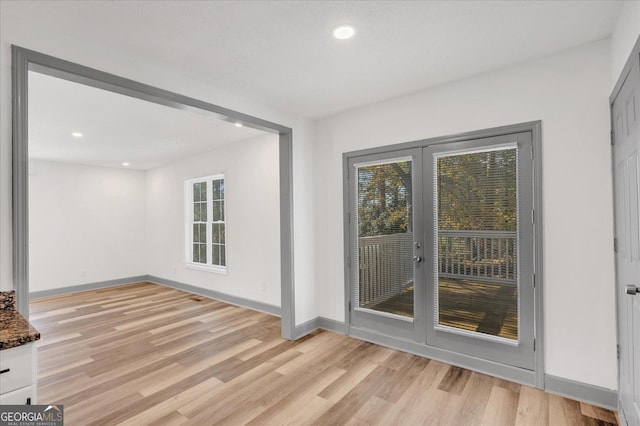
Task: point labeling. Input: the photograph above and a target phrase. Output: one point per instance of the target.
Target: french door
(385, 193)
(441, 246)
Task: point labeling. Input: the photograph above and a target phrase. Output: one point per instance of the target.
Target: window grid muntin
(218, 225)
(199, 219)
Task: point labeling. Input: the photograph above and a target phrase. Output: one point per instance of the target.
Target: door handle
(417, 259)
(632, 290)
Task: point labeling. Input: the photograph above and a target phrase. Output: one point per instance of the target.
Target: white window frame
(188, 191)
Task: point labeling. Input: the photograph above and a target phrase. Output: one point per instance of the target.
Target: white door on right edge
(626, 165)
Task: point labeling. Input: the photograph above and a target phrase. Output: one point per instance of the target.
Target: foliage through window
(385, 199)
(206, 230)
(477, 191)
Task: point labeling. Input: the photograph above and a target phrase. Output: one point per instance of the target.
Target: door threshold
(502, 371)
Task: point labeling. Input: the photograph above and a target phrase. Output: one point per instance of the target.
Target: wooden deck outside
(466, 304)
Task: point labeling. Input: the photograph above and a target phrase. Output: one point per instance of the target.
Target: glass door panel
(385, 238)
(476, 199)
(479, 230)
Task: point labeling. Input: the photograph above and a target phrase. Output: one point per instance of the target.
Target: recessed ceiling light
(125, 164)
(344, 31)
(76, 134)
(238, 124)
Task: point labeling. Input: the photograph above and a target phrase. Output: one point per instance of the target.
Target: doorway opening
(25, 60)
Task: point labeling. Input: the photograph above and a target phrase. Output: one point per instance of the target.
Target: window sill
(207, 268)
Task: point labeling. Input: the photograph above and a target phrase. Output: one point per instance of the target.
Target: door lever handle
(632, 290)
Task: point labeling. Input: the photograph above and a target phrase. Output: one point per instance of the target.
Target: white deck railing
(386, 261)
(489, 256)
(386, 267)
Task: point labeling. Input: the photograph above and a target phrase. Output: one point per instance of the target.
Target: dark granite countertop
(15, 330)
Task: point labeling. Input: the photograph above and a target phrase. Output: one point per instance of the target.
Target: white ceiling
(117, 128)
(278, 53)
(282, 54)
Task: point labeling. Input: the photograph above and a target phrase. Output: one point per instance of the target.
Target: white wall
(568, 92)
(252, 214)
(624, 37)
(91, 224)
(87, 224)
(20, 28)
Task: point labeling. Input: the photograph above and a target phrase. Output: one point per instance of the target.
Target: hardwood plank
(340, 387)
(168, 406)
(563, 411)
(166, 377)
(421, 393)
(171, 419)
(127, 410)
(533, 407)
(455, 380)
(515, 387)
(255, 378)
(370, 412)
(300, 378)
(235, 367)
(281, 411)
(226, 404)
(144, 354)
(502, 407)
(367, 352)
(409, 371)
(475, 398)
(98, 407)
(71, 366)
(52, 338)
(256, 350)
(57, 391)
(312, 410)
(346, 407)
(438, 409)
(598, 413)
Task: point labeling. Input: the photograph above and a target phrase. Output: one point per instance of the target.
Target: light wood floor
(146, 354)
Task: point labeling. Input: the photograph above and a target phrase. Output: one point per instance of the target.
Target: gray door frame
(535, 377)
(25, 60)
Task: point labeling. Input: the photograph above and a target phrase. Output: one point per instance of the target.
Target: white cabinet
(22, 396)
(18, 375)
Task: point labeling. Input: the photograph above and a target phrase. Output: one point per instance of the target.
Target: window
(206, 226)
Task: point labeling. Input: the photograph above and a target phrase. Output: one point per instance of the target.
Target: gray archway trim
(24, 60)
